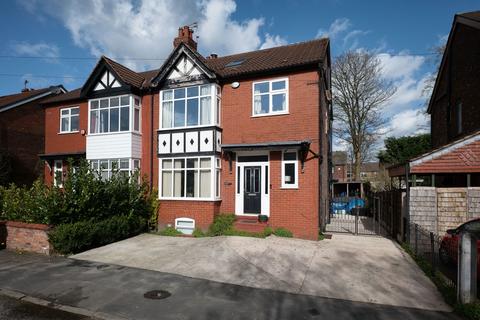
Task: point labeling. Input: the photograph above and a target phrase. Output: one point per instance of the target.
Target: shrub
(282, 232)
(198, 233)
(267, 231)
(222, 224)
(170, 231)
(80, 236)
(85, 197)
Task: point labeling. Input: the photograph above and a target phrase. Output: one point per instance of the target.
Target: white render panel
(99, 86)
(219, 141)
(177, 142)
(117, 145)
(189, 137)
(136, 146)
(104, 78)
(164, 148)
(206, 141)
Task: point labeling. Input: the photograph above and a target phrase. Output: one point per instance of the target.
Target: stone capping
(26, 225)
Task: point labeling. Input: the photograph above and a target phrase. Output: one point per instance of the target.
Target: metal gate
(382, 215)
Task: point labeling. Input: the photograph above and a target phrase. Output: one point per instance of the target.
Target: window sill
(189, 199)
(68, 132)
(190, 127)
(270, 114)
(289, 188)
(113, 133)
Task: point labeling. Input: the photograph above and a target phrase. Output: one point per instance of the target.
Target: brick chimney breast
(185, 35)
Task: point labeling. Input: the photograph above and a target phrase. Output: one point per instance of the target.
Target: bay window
(189, 178)
(270, 97)
(113, 114)
(108, 167)
(190, 106)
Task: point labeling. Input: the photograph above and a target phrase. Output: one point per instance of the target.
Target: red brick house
(22, 130)
(455, 119)
(247, 133)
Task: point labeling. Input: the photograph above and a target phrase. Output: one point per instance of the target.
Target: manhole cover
(157, 294)
(314, 312)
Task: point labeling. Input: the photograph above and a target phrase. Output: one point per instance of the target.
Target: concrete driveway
(355, 268)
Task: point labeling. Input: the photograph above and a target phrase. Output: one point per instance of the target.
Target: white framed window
(189, 178)
(114, 114)
(218, 171)
(185, 225)
(270, 97)
(107, 167)
(190, 106)
(69, 119)
(289, 169)
(58, 173)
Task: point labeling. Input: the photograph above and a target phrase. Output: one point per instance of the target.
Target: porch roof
(460, 156)
(272, 145)
(62, 156)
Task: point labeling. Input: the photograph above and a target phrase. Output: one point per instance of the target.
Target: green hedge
(84, 197)
(80, 236)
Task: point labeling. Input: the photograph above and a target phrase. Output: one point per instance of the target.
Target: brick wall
(202, 212)
(463, 81)
(22, 136)
(28, 237)
(65, 142)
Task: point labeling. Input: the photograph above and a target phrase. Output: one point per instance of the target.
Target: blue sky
(71, 35)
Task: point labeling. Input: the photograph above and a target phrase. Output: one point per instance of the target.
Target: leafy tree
(359, 96)
(399, 150)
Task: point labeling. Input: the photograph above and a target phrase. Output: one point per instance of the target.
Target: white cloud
(273, 41)
(146, 28)
(400, 65)
(338, 26)
(408, 122)
(40, 49)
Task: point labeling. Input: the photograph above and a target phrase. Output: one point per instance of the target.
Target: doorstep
(249, 224)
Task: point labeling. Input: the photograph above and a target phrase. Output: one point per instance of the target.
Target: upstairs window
(190, 106)
(270, 97)
(69, 119)
(114, 114)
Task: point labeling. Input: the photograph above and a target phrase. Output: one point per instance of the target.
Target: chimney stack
(185, 35)
(212, 56)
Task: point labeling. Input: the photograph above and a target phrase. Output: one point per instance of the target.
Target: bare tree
(359, 95)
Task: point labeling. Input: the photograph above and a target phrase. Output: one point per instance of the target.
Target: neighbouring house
(22, 130)
(248, 133)
(443, 188)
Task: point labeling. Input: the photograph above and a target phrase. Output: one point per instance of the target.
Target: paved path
(355, 268)
(14, 309)
(116, 292)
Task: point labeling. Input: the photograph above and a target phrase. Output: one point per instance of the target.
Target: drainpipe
(152, 136)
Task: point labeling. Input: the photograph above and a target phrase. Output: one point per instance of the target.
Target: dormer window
(270, 97)
(190, 106)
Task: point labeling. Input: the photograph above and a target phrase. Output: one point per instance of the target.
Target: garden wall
(28, 237)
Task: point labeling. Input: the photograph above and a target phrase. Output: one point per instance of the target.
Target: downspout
(321, 213)
(152, 137)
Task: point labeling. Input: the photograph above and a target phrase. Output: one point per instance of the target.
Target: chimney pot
(213, 56)
(185, 35)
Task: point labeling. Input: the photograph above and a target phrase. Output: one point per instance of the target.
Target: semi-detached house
(248, 133)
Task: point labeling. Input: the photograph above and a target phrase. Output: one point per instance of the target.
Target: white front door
(252, 185)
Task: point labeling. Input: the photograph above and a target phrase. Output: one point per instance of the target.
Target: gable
(183, 65)
(184, 68)
(108, 80)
